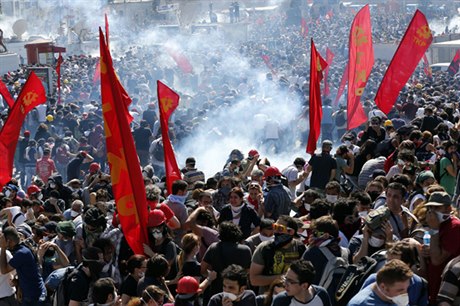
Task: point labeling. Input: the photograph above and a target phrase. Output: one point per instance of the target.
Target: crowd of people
(370, 219)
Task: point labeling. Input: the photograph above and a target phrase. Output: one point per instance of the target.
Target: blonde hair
(189, 243)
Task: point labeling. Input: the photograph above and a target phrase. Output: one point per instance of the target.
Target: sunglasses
(283, 229)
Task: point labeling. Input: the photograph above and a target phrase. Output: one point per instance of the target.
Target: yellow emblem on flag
(103, 66)
(29, 98)
(117, 164)
(167, 104)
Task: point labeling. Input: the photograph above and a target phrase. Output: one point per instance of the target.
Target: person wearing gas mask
(160, 241)
(444, 236)
(84, 276)
(270, 259)
(235, 282)
(390, 288)
(94, 224)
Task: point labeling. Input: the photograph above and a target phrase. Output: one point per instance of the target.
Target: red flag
(453, 67)
(58, 71)
(268, 63)
(360, 62)
(125, 171)
(426, 67)
(106, 19)
(410, 51)
(329, 59)
(343, 82)
(168, 102)
(6, 94)
(32, 94)
(303, 28)
(182, 62)
(317, 65)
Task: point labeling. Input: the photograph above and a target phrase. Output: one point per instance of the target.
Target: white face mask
(237, 209)
(265, 238)
(363, 214)
(401, 300)
(425, 189)
(7, 193)
(331, 198)
(52, 185)
(442, 217)
(347, 143)
(376, 242)
(307, 206)
(74, 213)
(230, 295)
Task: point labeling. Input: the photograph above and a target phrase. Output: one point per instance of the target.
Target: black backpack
(61, 296)
(437, 171)
(340, 118)
(353, 279)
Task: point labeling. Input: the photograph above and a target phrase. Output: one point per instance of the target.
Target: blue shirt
(418, 292)
(30, 280)
(367, 297)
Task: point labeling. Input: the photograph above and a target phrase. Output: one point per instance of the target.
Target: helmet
(272, 171)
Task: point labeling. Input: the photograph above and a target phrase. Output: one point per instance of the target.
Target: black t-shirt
(73, 169)
(142, 138)
(248, 217)
(322, 165)
(191, 268)
(129, 286)
(247, 299)
(78, 288)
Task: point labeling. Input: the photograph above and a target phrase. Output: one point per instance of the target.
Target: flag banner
(6, 94)
(181, 60)
(168, 101)
(453, 67)
(317, 66)
(343, 82)
(426, 67)
(58, 71)
(32, 94)
(360, 62)
(303, 28)
(125, 171)
(268, 63)
(329, 59)
(410, 51)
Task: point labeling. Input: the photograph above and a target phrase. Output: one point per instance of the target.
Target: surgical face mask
(230, 295)
(307, 206)
(401, 300)
(52, 185)
(347, 143)
(363, 214)
(442, 217)
(331, 198)
(425, 189)
(376, 242)
(266, 238)
(7, 193)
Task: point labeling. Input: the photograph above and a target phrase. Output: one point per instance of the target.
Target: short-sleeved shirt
(283, 257)
(341, 163)
(450, 286)
(367, 297)
(45, 167)
(30, 280)
(447, 181)
(322, 165)
(449, 231)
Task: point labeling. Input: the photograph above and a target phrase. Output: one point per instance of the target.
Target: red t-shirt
(44, 168)
(449, 238)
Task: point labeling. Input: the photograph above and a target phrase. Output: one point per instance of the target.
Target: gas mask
(376, 242)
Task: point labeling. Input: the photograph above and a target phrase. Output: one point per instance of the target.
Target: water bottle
(426, 238)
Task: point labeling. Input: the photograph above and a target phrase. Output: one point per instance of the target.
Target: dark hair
(238, 192)
(394, 271)
(179, 185)
(150, 292)
(11, 233)
(326, 224)
(236, 273)
(304, 270)
(205, 218)
(299, 161)
(230, 232)
(102, 288)
(399, 187)
(266, 223)
(407, 252)
(135, 262)
(362, 197)
(319, 208)
(333, 185)
(157, 266)
(289, 221)
(342, 209)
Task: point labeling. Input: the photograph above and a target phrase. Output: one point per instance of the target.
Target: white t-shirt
(5, 279)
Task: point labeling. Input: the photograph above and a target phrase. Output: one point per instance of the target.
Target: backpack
(437, 170)
(61, 296)
(334, 270)
(353, 279)
(340, 118)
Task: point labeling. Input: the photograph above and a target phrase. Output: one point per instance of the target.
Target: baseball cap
(439, 198)
(66, 228)
(156, 218)
(187, 287)
(424, 175)
(26, 133)
(271, 171)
